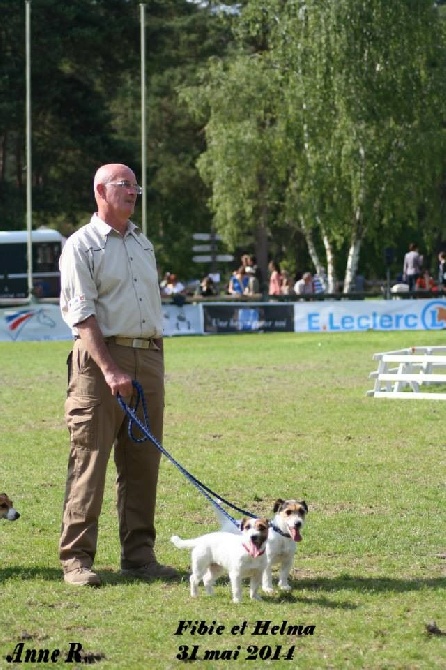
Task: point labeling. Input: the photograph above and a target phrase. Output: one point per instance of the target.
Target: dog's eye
(288, 512)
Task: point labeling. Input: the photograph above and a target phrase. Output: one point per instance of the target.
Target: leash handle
(147, 435)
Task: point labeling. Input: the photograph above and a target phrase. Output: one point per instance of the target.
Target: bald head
(115, 204)
(107, 173)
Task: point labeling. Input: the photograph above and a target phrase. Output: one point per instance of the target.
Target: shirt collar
(105, 229)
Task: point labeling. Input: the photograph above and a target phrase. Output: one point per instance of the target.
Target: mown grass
(255, 417)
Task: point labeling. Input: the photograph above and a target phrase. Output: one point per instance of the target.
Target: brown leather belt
(135, 342)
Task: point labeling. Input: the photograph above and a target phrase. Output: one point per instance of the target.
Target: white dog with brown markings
(241, 554)
(7, 510)
(284, 533)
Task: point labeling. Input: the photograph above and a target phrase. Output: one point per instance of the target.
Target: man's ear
(100, 191)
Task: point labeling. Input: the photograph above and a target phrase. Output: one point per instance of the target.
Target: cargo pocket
(82, 417)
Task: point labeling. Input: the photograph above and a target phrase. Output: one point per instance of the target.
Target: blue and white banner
(345, 316)
(44, 322)
(33, 322)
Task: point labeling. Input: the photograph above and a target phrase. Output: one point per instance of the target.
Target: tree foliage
(316, 121)
(329, 118)
(86, 110)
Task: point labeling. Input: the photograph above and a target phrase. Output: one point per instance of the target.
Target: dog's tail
(183, 544)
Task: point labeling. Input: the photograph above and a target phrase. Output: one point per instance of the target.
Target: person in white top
(412, 266)
(174, 286)
(304, 285)
(110, 298)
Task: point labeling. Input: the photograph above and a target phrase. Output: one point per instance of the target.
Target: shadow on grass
(308, 591)
(303, 589)
(29, 573)
(109, 577)
(360, 583)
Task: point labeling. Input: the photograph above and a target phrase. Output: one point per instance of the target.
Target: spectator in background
(275, 280)
(425, 282)
(304, 286)
(412, 266)
(257, 271)
(164, 282)
(174, 286)
(442, 270)
(206, 287)
(238, 282)
(246, 261)
(318, 283)
(253, 287)
(286, 286)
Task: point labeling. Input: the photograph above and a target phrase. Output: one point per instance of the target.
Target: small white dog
(284, 533)
(241, 554)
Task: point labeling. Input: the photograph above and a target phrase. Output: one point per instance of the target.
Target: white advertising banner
(33, 322)
(345, 316)
(44, 322)
(184, 320)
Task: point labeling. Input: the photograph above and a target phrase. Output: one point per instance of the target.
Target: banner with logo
(345, 316)
(33, 322)
(44, 321)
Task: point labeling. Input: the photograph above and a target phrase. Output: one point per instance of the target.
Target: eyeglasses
(124, 183)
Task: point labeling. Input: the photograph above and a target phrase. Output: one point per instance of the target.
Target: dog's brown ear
(277, 504)
(243, 522)
(304, 505)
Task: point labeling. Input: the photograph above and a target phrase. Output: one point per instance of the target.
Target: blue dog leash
(208, 493)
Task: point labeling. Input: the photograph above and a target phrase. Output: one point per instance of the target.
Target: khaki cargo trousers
(96, 423)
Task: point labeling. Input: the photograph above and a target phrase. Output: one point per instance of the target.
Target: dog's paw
(267, 589)
(256, 597)
(284, 587)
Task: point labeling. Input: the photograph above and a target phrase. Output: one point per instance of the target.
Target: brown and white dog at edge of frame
(7, 510)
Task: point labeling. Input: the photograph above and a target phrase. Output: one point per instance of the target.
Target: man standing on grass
(110, 299)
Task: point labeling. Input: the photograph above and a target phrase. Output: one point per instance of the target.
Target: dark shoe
(151, 571)
(82, 577)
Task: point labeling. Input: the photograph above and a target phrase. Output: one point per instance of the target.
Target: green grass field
(256, 417)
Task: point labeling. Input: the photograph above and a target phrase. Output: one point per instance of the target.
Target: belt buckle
(138, 343)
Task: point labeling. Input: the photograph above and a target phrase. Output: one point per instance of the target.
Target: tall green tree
(86, 110)
(352, 93)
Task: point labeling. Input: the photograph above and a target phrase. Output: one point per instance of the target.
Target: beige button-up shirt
(112, 277)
